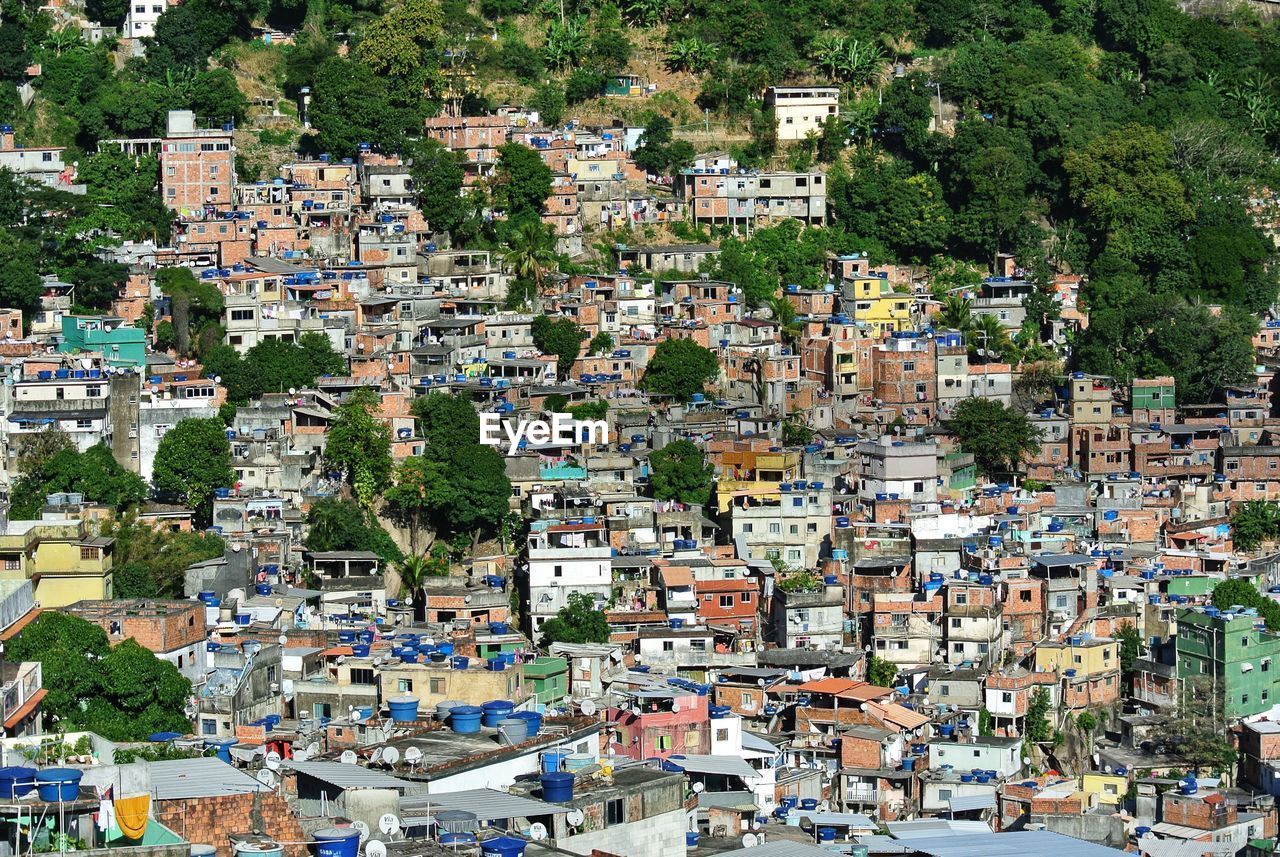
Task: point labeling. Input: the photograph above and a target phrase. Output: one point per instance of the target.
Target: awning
(677, 575)
(487, 804)
(730, 766)
(968, 803)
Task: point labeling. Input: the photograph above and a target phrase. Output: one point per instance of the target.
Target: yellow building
(877, 307)
(436, 683)
(754, 474)
(1092, 656)
(63, 560)
(1107, 789)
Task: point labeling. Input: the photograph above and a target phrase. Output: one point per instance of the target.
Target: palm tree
(956, 314)
(645, 13)
(529, 254)
(64, 39)
(566, 42)
(413, 572)
(988, 339)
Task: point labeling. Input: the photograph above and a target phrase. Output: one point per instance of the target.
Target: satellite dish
(675, 706)
(412, 755)
(363, 827)
(760, 682)
(390, 755)
(273, 760)
(301, 755)
(575, 817)
(374, 848)
(825, 806)
(537, 831)
(750, 840)
(389, 824)
(587, 707)
(313, 749)
(267, 778)
(699, 788)
(1106, 769)
(348, 757)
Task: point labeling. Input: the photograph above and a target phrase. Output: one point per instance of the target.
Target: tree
(273, 365)
(1130, 648)
(1253, 522)
(94, 473)
(561, 337)
(352, 105)
(577, 622)
(414, 572)
(996, 436)
(438, 176)
(739, 265)
(956, 313)
(187, 35)
(481, 489)
(529, 254)
(123, 693)
(1198, 729)
(679, 368)
(335, 524)
(359, 446)
(151, 562)
(447, 422)
(521, 182)
(679, 471)
(548, 99)
(601, 343)
(37, 448)
(192, 301)
(193, 459)
(1241, 593)
(420, 487)
(1038, 727)
(881, 673)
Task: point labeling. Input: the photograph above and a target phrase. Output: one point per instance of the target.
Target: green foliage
(796, 433)
(521, 182)
(601, 343)
(273, 366)
(577, 622)
(1130, 648)
(123, 693)
(561, 337)
(880, 672)
(94, 473)
(680, 471)
(995, 435)
(335, 524)
(358, 446)
(1242, 593)
(351, 105)
(151, 562)
(1253, 522)
(438, 175)
(679, 368)
(447, 422)
(1038, 726)
(548, 99)
(596, 410)
(658, 152)
(193, 459)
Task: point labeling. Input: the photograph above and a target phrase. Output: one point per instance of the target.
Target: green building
(547, 679)
(1230, 652)
(120, 344)
(1151, 394)
(964, 473)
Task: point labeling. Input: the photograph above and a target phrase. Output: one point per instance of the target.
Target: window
(668, 646)
(1006, 697)
(405, 685)
(1025, 596)
(726, 600)
(12, 563)
(363, 676)
(88, 552)
(962, 598)
(242, 315)
(747, 528)
(944, 794)
(558, 571)
(1244, 699)
(1266, 665)
(84, 424)
(698, 645)
(722, 734)
(437, 685)
(955, 624)
(93, 392)
(744, 597)
(208, 726)
(909, 366)
(662, 742)
(775, 528)
(613, 811)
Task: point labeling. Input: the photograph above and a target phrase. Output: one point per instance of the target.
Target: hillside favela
(640, 428)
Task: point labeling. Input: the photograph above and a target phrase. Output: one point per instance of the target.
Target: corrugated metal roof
(487, 804)
(732, 766)
(1018, 844)
(967, 803)
(854, 820)
(779, 849)
(346, 776)
(180, 779)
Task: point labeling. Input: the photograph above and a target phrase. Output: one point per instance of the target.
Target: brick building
(173, 630)
(197, 166)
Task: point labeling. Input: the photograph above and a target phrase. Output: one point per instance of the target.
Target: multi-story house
(740, 199)
(810, 617)
(1088, 669)
(566, 559)
(801, 110)
(197, 166)
(1231, 656)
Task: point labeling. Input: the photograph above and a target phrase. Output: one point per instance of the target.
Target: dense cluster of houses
(857, 635)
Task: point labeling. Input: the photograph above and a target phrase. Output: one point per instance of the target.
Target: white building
(801, 109)
(140, 21)
(566, 559)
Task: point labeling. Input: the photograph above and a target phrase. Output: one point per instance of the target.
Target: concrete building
(197, 166)
(173, 630)
(802, 109)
